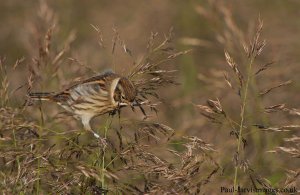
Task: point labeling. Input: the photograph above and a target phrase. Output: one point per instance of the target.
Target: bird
(105, 93)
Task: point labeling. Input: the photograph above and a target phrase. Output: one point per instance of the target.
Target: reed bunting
(98, 95)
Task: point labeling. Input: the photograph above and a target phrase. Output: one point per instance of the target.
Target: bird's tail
(40, 96)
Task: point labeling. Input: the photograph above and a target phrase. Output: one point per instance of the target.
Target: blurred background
(207, 27)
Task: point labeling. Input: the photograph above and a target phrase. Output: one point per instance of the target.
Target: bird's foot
(103, 141)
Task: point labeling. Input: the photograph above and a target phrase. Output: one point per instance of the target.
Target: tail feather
(41, 96)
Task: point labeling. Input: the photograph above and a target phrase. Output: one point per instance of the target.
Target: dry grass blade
(278, 129)
(83, 65)
(294, 111)
(151, 73)
(185, 177)
(283, 108)
(195, 42)
(256, 45)
(264, 67)
(226, 77)
(294, 152)
(234, 67)
(153, 130)
(293, 139)
(259, 182)
(197, 143)
(294, 149)
(213, 111)
(293, 178)
(275, 87)
(100, 35)
(275, 108)
(115, 39)
(216, 106)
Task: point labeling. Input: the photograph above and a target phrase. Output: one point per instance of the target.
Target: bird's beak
(123, 104)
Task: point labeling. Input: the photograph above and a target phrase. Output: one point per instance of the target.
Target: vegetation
(202, 125)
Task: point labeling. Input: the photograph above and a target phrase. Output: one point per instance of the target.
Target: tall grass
(243, 80)
(43, 150)
(40, 155)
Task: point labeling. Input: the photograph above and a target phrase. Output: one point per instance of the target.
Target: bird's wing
(101, 79)
(95, 90)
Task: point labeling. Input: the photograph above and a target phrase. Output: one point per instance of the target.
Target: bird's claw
(103, 141)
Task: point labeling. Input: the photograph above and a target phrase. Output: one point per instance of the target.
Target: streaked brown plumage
(95, 96)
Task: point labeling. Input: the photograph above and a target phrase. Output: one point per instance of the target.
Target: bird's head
(124, 93)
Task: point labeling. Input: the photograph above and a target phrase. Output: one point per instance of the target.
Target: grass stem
(103, 168)
(243, 108)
